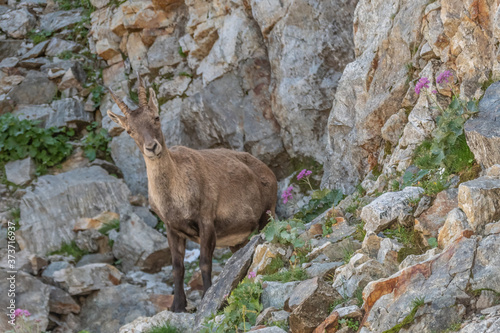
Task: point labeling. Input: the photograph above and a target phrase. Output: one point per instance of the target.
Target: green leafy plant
(185, 74)
(96, 141)
(319, 203)
(284, 232)
(410, 239)
(65, 55)
(39, 36)
(242, 310)
(97, 92)
(275, 265)
(22, 138)
(111, 225)
(181, 53)
(349, 322)
(432, 242)
(292, 274)
(70, 249)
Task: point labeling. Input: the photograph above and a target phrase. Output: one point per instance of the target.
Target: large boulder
(429, 222)
(275, 294)
(50, 210)
(309, 303)
(439, 283)
(17, 23)
(36, 88)
(30, 294)
(112, 307)
(483, 130)
(140, 246)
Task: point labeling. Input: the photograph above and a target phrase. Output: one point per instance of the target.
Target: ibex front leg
(177, 248)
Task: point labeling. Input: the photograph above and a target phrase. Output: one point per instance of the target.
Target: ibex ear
(153, 102)
(120, 120)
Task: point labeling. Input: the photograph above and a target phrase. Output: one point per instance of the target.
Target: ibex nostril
(153, 147)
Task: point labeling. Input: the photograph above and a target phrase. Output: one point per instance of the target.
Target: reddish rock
(429, 222)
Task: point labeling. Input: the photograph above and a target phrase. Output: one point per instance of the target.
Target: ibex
(215, 197)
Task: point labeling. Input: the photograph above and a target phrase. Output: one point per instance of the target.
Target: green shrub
(293, 274)
(111, 225)
(96, 141)
(39, 36)
(242, 310)
(70, 249)
(284, 232)
(319, 203)
(22, 138)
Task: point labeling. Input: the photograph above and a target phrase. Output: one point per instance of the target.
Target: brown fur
(214, 197)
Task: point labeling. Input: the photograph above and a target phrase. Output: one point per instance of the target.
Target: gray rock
(323, 269)
(145, 214)
(483, 130)
(388, 208)
(414, 259)
(274, 294)
(363, 101)
(30, 294)
(272, 329)
(91, 240)
(140, 246)
(456, 222)
(9, 48)
(36, 51)
(17, 23)
(59, 20)
(36, 88)
(439, 281)
(34, 63)
(164, 52)
(486, 270)
(96, 258)
(34, 112)
(336, 251)
(182, 321)
(488, 325)
(429, 222)
(309, 303)
(479, 199)
(9, 63)
(394, 126)
(48, 273)
(61, 302)
(45, 230)
(113, 307)
(69, 111)
(83, 280)
(307, 58)
(57, 46)
(20, 172)
(357, 274)
(234, 271)
(129, 159)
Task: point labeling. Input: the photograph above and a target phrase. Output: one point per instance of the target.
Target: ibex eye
(157, 119)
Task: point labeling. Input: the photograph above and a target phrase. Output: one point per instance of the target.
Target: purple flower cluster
(421, 84)
(251, 275)
(304, 173)
(287, 194)
(443, 77)
(21, 312)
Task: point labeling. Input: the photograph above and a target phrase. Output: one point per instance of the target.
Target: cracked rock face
(443, 282)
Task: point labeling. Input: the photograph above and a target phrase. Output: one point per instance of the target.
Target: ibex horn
(119, 102)
(143, 99)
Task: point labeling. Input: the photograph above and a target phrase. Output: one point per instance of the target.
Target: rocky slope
(329, 86)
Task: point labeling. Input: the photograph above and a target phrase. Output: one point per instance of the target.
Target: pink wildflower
(443, 77)
(21, 312)
(225, 296)
(422, 83)
(287, 194)
(434, 92)
(251, 275)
